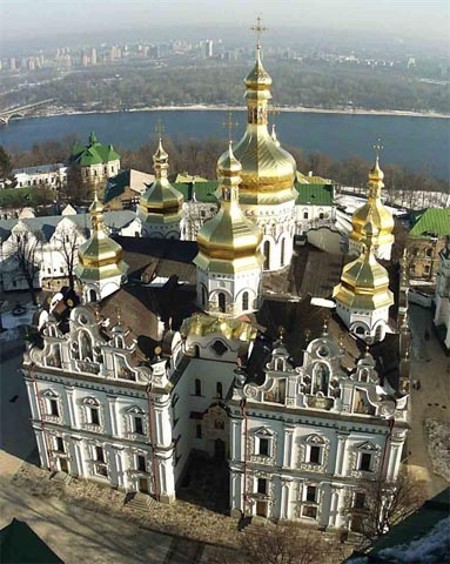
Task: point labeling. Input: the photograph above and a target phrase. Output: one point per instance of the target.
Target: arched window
(321, 378)
(266, 252)
(245, 301)
(85, 346)
(283, 258)
(305, 215)
(222, 302)
(198, 387)
(204, 296)
(92, 296)
(429, 252)
(219, 390)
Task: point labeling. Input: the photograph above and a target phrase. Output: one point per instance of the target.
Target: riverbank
(217, 108)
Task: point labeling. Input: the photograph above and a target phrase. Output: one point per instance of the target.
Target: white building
(46, 175)
(52, 242)
(245, 366)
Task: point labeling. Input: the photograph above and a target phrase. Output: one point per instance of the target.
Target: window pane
(138, 428)
(95, 420)
(264, 447)
(262, 485)
(365, 462)
(54, 408)
(311, 493)
(141, 463)
(314, 454)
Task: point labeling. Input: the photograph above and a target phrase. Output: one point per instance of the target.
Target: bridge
(20, 111)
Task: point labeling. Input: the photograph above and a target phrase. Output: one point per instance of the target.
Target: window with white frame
(92, 412)
(135, 420)
(52, 404)
(262, 486)
(366, 457)
(138, 425)
(141, 463)
(264, 442)
(310, 501)
(59, 444)
(100, 466)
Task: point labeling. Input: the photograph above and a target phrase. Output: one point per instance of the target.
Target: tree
(378, 506)
(25, 249)
(5, 164)
(286, 543)
(67, 242)
(77, 190)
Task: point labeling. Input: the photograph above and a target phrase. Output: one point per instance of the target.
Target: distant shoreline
(201, 107)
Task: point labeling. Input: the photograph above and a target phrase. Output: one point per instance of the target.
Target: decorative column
(288, 451)
(33, 400)
(164, 467)
(236, 439)
(71, 406)
(116, 452)
(333, 518)
(394, 455)
(42, 447)
(112, 414)
(340, 454)
(285, 498)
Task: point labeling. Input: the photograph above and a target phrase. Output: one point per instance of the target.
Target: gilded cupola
(229, 242)
(364, 281)
(161, 202)
(99, 258)
(268, 171)
(381, 216)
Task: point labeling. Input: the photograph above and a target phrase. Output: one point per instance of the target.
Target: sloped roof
(317, 194)
(93, 153)
(115, 220)
(430, 222)
(204, 191)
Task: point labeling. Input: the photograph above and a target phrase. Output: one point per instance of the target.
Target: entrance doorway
(64, 466)
(261, 508)
(143, 485)
(219, 449)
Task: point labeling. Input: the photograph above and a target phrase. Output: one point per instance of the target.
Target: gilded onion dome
(268, 171)
(364, 281)
(99, 257)
(229, 242)
(381, 216)
(161, 202)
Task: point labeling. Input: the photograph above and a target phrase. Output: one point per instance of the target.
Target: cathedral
(287, 363)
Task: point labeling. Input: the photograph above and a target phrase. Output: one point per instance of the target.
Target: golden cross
(378, 147)
(229, 123)
(159, 128)
(258, 29)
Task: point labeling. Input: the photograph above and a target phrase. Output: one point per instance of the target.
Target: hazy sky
(412, 18)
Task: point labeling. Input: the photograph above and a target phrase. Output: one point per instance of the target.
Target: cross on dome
(258, 29)
(230, 124)
(378, 147)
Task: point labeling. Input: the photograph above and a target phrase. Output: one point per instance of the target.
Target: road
(432, 401)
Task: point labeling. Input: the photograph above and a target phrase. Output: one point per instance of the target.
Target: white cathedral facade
(127, 381)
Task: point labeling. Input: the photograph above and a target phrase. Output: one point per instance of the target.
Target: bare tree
(67, 242)
(287, 543)
(25, 249)
(378, 506)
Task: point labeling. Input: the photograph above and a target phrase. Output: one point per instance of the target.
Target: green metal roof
(430, 222)
(93, 153)
(317, 194)
(204, 191)
(185, 177)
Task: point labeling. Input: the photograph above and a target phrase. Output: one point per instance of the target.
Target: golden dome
(229, 242)
(381, 216)
(364, 281)
(99, 257)
(268, 171)
(161, 201)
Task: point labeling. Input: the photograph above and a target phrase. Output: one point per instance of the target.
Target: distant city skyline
(31, 19)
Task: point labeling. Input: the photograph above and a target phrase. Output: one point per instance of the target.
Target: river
(421, 144)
